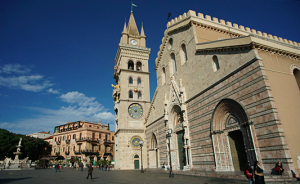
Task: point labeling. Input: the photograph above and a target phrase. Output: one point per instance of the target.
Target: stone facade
(229, 94)
(85, 140)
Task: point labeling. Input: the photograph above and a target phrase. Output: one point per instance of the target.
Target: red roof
(43, 132)
(50, 137)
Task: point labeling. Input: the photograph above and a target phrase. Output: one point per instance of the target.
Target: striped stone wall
(248, 85)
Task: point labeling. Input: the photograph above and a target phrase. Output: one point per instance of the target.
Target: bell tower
(131, 96)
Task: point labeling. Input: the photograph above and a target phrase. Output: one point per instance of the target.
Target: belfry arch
(232, 137)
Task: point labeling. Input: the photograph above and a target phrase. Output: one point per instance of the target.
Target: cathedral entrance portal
(232, 137)
(181, 151)
(237, 148)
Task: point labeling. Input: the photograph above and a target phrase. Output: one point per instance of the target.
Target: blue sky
(57, 56)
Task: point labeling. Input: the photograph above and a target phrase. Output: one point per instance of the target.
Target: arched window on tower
(215, 62)
(139, 66)
(130, 80)
(139, 81)
(140, 95)
(163, 75)
(297, 76)
(130, 65)
(183, 54)
(174, 67)
(130, 94)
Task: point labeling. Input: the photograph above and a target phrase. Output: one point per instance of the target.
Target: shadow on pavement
(7, 180)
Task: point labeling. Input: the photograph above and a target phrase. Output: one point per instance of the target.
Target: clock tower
(131, 97)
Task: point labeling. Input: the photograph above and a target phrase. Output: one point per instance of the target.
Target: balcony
(108, 142)
(90, 152)
(87, 139)
(77, 153)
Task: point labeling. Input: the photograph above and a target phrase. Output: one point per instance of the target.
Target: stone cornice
(129, 131)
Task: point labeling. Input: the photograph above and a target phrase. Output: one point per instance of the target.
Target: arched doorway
(232, 137)
(180, 140)
(136, 162)
(153, 152)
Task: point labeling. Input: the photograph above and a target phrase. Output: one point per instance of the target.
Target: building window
(55, 139)
(139, 66)
(139, 95)
(183, 54)
(174, 67)
(130, 65)
(99, 136)
(130, 80)
(163, 75)
(130, 94)
(215, 62)
(54, 150)
(74, 148)
(139, 81)
(113, 138)
(297, 76)
(74, 136)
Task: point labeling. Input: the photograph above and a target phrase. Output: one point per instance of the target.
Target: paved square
(71, 176)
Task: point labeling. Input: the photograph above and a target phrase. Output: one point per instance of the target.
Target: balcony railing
(86, 139)
(90, 152)
(77, 153)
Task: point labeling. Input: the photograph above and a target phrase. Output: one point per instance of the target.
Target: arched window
(163, 75)
(130, 80)
(139, 66)
(183, 54)
(139, 81)
(130, 65)
(173, 63)
(74, 136)
(297, 76)
(130, 94)
(139, 95)
(215, 63)
(136, 156)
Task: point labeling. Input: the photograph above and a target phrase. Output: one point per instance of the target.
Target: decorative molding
(293, 67)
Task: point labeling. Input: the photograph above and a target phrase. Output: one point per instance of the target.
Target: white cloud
(80, 107)
(32, 83)
(14, 68)
(75, 97)
(53, 91)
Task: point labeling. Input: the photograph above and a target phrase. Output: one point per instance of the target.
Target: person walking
(90, 171)
(259, 174)
(81, 166)
(55, 166)
(249, 173)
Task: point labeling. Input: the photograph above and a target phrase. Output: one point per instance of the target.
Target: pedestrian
(249, 173)
(259, 174)
(81, 166)
(55, 167)
(90, 172)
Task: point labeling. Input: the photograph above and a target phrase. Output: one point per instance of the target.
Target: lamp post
(141, 144)
(168, 135)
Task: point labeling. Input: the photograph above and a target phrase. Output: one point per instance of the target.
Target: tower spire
(132, 28)
(142, 31)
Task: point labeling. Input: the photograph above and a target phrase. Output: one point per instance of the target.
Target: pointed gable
(132, 28)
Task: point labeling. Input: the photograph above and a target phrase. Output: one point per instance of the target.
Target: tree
(31, 147)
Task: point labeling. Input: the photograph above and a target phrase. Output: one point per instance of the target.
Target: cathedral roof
(132, 28)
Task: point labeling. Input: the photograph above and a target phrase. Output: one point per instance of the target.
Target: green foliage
(31, 147)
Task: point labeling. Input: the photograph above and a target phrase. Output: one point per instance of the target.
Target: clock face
(135, 141)
(135, 110)
(133, 42)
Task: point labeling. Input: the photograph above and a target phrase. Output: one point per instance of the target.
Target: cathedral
(226, 95)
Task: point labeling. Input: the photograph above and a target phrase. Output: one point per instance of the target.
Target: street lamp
(141, 144)
(168, 135)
